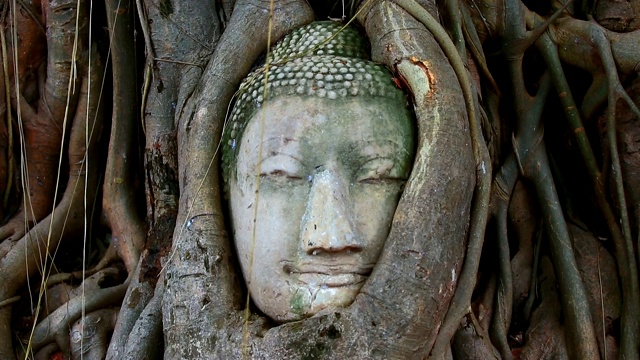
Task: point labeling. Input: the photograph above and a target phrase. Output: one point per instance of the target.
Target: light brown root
(119, 197)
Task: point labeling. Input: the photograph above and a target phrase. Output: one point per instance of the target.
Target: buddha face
(316, 186)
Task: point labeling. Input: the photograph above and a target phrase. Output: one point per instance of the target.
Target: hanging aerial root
(501, 191)
(592, 38)
(531, 153)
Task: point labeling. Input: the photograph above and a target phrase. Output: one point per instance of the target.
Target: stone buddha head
(314, 170)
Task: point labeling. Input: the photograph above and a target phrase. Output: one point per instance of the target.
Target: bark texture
(555, 278)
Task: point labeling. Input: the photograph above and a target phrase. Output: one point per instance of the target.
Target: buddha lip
(331, 281)
(329, 275)
(327, 269)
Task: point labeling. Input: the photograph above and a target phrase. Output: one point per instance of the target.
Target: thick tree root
(147, 332)
(188, 330)
(135, 300)
(366, 325)
(119, 197)
(462, 298)
(42, 127)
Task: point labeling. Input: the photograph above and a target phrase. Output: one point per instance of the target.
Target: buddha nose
(328, 224)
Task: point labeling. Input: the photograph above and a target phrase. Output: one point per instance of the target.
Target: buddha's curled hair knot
(320, 59)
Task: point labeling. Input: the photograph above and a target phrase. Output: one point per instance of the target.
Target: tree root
(149, 328)
(90, 335)
(504, 183)
(135, 300)
(21, 258)
(592, 41)
(546, 337)
(42, 127)
(462, 298)
(9, 301)
(56, 326)
(119, 200)
(28, 53)
(581, 338)
(532, 160)
(200, 127)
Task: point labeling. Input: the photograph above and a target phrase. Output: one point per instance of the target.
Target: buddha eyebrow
(276, 153)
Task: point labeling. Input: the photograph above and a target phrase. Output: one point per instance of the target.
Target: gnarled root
(42, 126)
(56, 326)
(90, 335)
(32, 252)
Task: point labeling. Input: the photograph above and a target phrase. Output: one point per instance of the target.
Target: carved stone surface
(314, 184)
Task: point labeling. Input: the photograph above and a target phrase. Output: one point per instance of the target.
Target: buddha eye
(281, 169)
(282, 174)
(380, 171)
